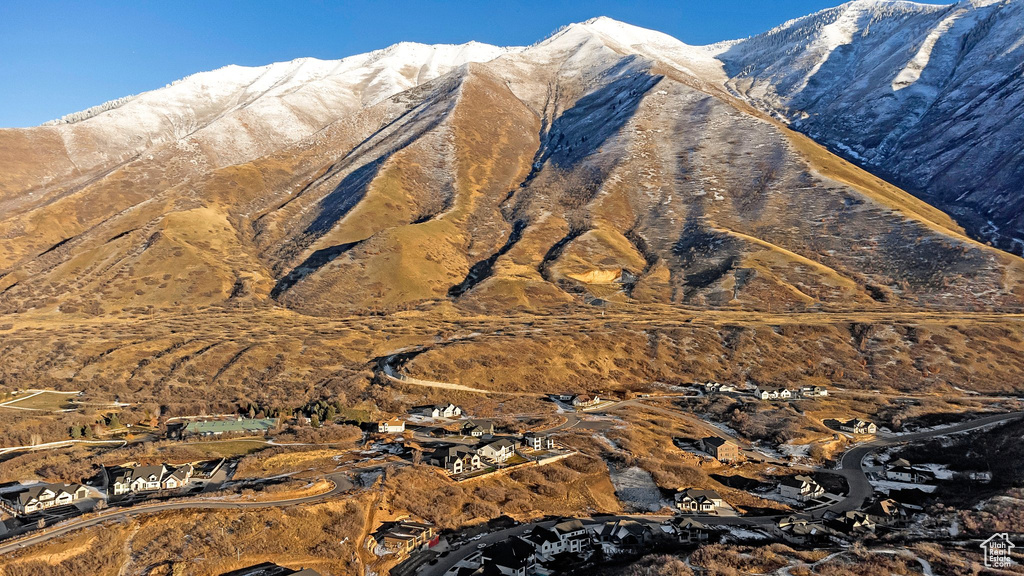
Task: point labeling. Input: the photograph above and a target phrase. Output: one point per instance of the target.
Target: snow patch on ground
(635, 487)
(795, 450)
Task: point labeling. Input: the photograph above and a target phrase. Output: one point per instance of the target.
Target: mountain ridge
(604, 163)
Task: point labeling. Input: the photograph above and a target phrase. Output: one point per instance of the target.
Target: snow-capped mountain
(604, 163)
(236, 113)
(930, 97)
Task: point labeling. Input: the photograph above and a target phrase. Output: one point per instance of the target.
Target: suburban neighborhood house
(393, 426)
(689, 530)
(42, 496)
(813, 391)
(586, 401)
(714, 387)
(456, 459)
(566, 536)
(901, 471)
(721, 449)
(513, 557)
(773, 394)
(538, 441)
(477, 428)
(693, 501)
(402, 537)
(623, 536)
(802, 488)
(497, 451)
(438, 411)
(858, 426)
(135, 479)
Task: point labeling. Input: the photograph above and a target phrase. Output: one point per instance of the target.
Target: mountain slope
(605, 164)
(929, 97)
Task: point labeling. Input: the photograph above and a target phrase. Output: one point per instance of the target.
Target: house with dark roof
(402, 537)
(721, 449)
(438, 410)
(538, 441)
(545, 541)
(692, 501)
(813, 391)
(456, 459)
(497, 451)
(902, 470)
(512, 557)
(135, 479)
(800, 530)
(478, 428)
(852, 524)
(801, 487)
(586, 401)
(624, 536)
(178, 477)
(39, 497)
(690, 531)
(858, 426)
(123, 480)
(887, 512)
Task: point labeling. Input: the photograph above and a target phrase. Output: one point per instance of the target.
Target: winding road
(852, 468)
(851, 465)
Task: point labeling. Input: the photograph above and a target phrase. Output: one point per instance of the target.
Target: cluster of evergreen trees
(319, 412)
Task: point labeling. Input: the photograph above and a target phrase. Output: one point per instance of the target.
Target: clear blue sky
(58, 57)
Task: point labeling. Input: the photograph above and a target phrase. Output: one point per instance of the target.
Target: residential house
(772, 393)
(858, 426)
(123, 480)
(566, 536)
(135, 479)
(720, 448)
(497, 451)
(887, 511)
(178, 477)
(478, 428)
(438, 410)
(800, 530)
(624, 536)
(405, 536)
(545, 541)
(586, 401)
(851, 524)
(456, 459)
(562, 397)
(902, 471)
(538, 441)
(713, 387)
(512, 557)
(813, 391)
(690, 531)
(572, 534)
(692, 501)
(41, 497)
(393, 426)
(802, 488)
